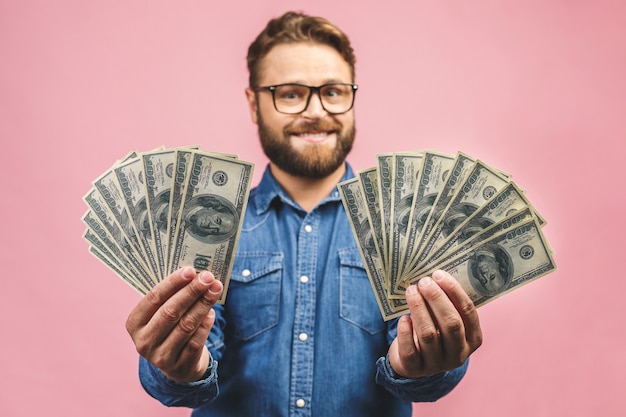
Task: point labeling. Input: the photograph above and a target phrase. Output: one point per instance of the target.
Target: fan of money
(154, 212)
(416, 212)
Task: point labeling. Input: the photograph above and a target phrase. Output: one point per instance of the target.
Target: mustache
(318, 126)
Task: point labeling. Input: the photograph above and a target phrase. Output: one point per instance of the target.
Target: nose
(314, 108)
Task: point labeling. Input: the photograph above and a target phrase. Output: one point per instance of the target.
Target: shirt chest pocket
(252, 302)
(358, 303)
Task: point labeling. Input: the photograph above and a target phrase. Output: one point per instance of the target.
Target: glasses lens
(337, 98)
(293, 98)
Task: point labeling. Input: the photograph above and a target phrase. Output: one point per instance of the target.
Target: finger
(463, 305)
(194, 324)
(193, 359)
(182, 313)
(154, 299)
(424, 323)
(407, 350)
(453, 345)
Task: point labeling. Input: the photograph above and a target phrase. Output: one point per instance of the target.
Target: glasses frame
(312, 89)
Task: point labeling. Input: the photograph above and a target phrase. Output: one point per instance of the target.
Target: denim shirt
(300, 333)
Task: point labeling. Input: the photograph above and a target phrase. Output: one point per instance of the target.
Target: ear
(252, 104)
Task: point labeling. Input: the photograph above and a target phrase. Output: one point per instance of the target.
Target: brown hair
(294, 27)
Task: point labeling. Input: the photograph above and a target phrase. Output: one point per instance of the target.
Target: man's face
(490, 275)
(312, 143)
(217, 223)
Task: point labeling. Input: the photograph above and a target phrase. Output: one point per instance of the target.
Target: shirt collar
(269, 189)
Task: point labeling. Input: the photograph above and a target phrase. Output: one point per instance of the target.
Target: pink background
(536, 88)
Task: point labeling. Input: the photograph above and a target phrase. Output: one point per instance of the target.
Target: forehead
(306, 63)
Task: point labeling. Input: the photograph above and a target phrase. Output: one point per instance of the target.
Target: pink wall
(534, 87)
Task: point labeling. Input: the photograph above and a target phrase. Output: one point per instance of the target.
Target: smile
(313, 137)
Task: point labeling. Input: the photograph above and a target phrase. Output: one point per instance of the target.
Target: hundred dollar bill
(481, 184)
(96, 202)
(459, 170)
(502, 263)
(211, 215)
(158, 166)
(103, 253)
(131, 180)
(405, 170)
(509, 199)
(182, 164)
(431, 179)
(473, 233)
(368, 181)
(355, 205)
(108, 186)
(158, 169)
(97, 236)
(383, 164)
(115, 268)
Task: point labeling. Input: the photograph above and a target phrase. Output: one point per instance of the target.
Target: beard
(315, 160)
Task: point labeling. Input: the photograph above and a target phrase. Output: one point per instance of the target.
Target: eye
(290, 92)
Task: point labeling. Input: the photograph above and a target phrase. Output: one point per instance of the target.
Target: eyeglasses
(336, 98)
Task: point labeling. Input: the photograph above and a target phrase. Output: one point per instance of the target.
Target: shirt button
(300, 403)
(303, 337)
(304, 279)
(308, 228)
(245, 273)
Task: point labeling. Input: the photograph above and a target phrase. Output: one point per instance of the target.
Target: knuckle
(170, 314)
(153, 297)
(130, 325)
(144, 347)
(428, 335)
(194, 345)
(453, 325)
(467, 308)
(188, 324)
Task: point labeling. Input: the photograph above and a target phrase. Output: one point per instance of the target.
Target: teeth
(314, 135)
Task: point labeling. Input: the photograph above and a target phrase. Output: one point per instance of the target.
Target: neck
(307, 192)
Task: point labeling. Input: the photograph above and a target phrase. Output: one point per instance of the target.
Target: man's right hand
(170, 325)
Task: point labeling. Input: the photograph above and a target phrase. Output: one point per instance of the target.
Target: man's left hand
(441, 332)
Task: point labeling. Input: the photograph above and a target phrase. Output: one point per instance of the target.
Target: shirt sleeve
(187, 394)
(426, 389)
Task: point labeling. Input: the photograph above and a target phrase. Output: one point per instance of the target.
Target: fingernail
(188, 272)
(411, 290)
(425, 282)
(439, 275)
(216, 287)
(205, 277)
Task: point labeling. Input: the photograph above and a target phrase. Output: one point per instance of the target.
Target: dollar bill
(470, 236)
(100, 209)
(354, 202)
(405, 171)
(501, 263)
(384, 162)
(211, 213)
(102, 252)
(109, 188)
(114, 266)
(415, 212)
(431, 179)
(508, 200)
(479, 186)
(97, 235)
(131, 181)
(460, 168)
(368, 181)
(182, 165)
